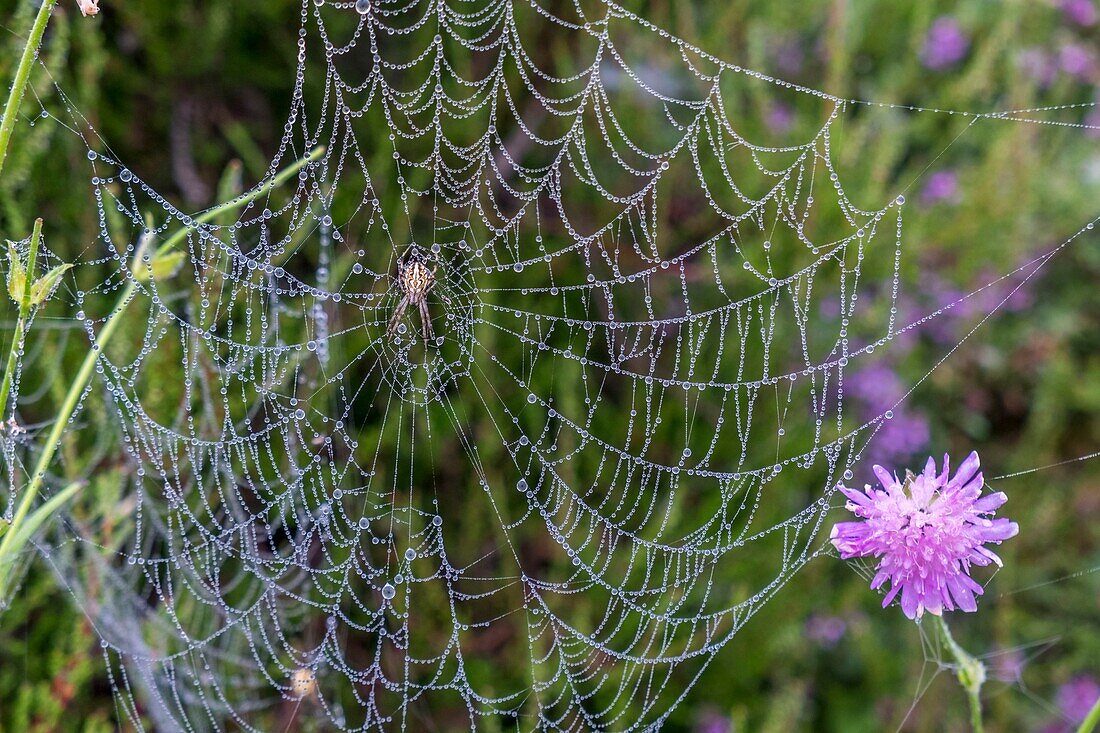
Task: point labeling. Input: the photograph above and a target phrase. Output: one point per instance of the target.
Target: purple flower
(900, 437)
(789, 57)
(1039, 65)
(927, 531)
(1079, 12)
(941, 186)
(1076, 697)
(780, 118)
(1007, 666)
(877, 387)
(711, 721)
(1092, 122)
(825, 630)
(1078, 61)
(945, 44)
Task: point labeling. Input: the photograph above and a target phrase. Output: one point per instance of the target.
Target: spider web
(621, 440)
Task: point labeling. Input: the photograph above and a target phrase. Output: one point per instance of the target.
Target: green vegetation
(193, 96)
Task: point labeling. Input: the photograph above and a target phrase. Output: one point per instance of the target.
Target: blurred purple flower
(941, 186)
(1039, 65)
(900, 437)
(945, 44)
(780, 118)
(1079, 12)
(944, 328)
(712, 721)
(926, 532)
(825, 630)
(1076, 697)
(789, 57)
(877, 388)
(1092, 122)
(1007, 666)
(1078, 61)
(1010, 294)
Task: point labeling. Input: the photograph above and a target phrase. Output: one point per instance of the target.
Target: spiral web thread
(620, 439)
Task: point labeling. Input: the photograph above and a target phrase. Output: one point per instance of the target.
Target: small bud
(88, 7)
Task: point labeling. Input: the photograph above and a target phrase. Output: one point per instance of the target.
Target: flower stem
(22, 75)
(21, 322)
(1091, 720)
(8, 547)
(969, 671)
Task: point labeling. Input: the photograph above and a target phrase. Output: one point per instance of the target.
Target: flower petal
(930, 468)
(999, 530)
(962, 595)
(990, 503)
(910, 601)
(966, 470)
(856, 496)
(884, 477)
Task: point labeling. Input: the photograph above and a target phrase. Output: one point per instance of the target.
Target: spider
(415, 281)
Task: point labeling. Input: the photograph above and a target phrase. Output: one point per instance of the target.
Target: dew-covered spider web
(511, 403)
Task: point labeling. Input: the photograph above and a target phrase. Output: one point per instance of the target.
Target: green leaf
(44, 286)
(17, 275)
(161, 267)
(37, 518)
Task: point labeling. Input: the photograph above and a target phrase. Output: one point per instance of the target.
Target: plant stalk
(1091, 720)
(21, 322)
(87, 368)
(22, 76)
(970, 672)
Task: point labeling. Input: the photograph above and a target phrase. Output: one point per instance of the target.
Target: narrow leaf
(37, 518)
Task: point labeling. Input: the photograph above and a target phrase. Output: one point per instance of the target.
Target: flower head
(88, 7)
(941, 186)
(1078, 61)
(1040, 66)
(779, 118)
(712, 721)
(926, 531)
(1076, 698)
(825, 630)
(1079, 12)
(945, 45)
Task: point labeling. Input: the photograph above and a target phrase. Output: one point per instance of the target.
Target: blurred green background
(187, 88)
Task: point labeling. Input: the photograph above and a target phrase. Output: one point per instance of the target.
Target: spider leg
(426, 320)
(397, 313)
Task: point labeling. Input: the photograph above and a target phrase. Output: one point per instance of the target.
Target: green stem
(87, 368)
(1091, 720)
(259, 192)
(970, 673)
(22, 75)
(21, 323)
